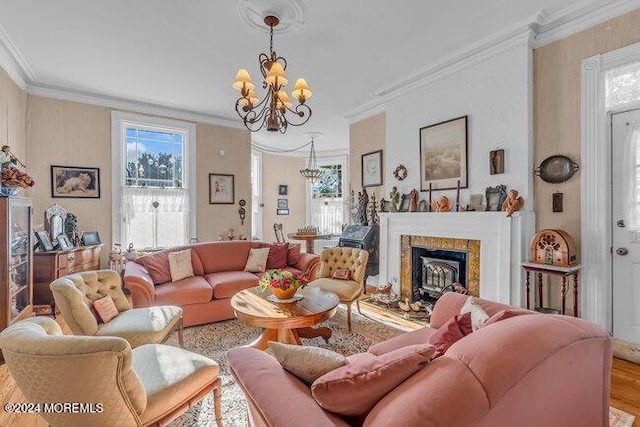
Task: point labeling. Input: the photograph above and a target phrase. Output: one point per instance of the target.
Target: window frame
(119, 121)
(327, 161)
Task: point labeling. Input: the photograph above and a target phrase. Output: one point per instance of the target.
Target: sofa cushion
(293, 253)
(478, 315)
(223, 256)
(227, 283)
(419, 336)
(191, 290)
(277, 256)
(306, 362)
(355, 388)
(157, 264)
(454, 330)
(506, 314)
(180, 265)
(257, 260)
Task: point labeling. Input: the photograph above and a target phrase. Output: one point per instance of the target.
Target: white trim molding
(595, 218)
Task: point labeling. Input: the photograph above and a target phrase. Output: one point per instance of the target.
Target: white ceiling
(185, 53)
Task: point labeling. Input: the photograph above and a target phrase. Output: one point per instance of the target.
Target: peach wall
(367, 136)
(557, 86)
(13, 117)
(278, 170)
(75, 134)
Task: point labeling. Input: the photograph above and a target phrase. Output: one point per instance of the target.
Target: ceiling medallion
(292, 14)
(271, 111)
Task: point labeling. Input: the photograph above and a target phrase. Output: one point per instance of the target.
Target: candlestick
(430, 206)
(458, 198)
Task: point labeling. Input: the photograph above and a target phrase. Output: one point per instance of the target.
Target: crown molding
(13, 62)
(366, 110)
(579, 17)
(117, 103)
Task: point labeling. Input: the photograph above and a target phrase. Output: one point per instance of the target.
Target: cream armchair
(75, 293)
(150, 385)
(348, 291)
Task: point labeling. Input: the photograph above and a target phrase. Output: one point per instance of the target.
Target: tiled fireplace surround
(504, 244)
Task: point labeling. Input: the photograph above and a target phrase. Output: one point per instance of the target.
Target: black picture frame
(90, 238)
(221, 189)
(282, 212)
(64, 242)
(43, 240)
(444, 155)
(283, 203)
(283, 189)
(496, 162)
(75, 182)
(371, 169)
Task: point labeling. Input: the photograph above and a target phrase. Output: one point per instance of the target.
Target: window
(622, 85)
(152, 177)
(326, 207)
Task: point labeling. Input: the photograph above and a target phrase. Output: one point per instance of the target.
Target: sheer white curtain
(327, 214)
(155, 217)
(631, 175)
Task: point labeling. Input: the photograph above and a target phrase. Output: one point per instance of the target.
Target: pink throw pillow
(453, 330)
(157, 265)
(293, 253)
(277, 256)
(505, 314)
(105, 308)
(354, 389)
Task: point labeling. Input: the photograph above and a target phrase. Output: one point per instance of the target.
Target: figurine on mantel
(413, 206)
(363, 204)
(373, 219)
(513, 203)
(395, 199)
(442, 205)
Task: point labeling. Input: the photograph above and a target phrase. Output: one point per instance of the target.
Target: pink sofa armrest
(139, 283)
(274, 396)
(309, 262)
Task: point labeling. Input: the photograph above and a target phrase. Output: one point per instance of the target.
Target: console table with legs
(555, 270)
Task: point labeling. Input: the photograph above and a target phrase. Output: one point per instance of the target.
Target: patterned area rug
(618, 418)
(213, 340)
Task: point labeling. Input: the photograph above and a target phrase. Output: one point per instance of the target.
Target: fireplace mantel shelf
(504, 244)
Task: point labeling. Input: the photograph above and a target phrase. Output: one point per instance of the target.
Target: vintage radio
(553, 247)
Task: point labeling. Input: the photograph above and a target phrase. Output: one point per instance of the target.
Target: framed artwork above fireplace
(443, 155)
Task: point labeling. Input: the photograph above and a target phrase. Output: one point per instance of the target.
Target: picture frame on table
(371, 164)
(90, 238)
(64, 242)
(43, 240)
(221, 189)
(283, 203)
(282, 212)
(443, 155)
(495, 197)
(75, 182)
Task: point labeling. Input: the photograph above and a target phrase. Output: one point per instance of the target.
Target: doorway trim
(595, 215)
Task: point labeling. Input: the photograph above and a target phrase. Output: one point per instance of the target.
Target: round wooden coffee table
(285, 322)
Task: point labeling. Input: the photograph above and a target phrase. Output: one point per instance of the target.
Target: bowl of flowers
(283, 284)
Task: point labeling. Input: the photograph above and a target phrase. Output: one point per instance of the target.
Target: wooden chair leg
(349, 317)
(217, 394)
(358, 305)
(181, 333)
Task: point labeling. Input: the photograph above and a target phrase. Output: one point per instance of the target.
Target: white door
(625, 194)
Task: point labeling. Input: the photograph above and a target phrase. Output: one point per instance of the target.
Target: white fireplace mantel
(504, 244)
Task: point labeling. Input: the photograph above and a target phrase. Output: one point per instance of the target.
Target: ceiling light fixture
(270, 112)
(311, 172)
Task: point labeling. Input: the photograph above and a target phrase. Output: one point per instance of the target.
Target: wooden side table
(554, 270)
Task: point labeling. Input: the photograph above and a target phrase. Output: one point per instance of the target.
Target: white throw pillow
(306, 362)
(478, 315)
(180, 265)
(257, 261)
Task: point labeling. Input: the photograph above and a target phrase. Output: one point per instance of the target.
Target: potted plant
(283, 284)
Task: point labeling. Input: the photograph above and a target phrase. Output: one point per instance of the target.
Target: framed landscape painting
(443, 155)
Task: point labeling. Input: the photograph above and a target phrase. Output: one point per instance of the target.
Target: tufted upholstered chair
(353, 259)
(150, 385)
(75, 293)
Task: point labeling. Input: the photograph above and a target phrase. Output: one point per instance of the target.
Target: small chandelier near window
(311, 172)
(271, 111)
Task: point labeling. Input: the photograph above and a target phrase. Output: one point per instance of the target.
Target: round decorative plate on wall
(400, 172)
(556, 169)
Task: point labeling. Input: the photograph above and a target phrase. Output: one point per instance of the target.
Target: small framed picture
(64, 242)
(90, 238)
(283, 203)
(221, 191)
(44, 241)
(372, 169)
(496, 162)
(283, 189)
(282, 212)
(75, 182)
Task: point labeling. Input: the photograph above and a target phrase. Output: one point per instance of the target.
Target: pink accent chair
(531, 370)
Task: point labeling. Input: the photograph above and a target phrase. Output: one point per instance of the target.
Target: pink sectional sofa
(530, 370)
(218, 269)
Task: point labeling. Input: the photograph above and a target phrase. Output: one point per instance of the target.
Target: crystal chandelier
(270, 112)
(311, 172)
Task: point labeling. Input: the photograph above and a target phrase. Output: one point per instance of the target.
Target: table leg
(285, 336)
(540, 289)
(321, 331)
(575, 294)
(309, 246)
(563, 290)
(527, 287)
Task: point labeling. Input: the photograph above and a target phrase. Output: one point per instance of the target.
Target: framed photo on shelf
(64, 242)
(43, 240)
(75, 182)
(282, 212)
(372, 169)
(443, 155)
(283, 203)
(90, 238)
(221, 189)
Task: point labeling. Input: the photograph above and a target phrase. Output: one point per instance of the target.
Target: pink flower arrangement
(284, 280)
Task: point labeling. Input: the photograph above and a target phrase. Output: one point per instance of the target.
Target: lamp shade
(277, 77)
(301, 91)
(251, 97)
(243, 80)
(284, 98)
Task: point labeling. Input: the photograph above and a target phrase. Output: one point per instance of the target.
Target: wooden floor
(625, 388)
